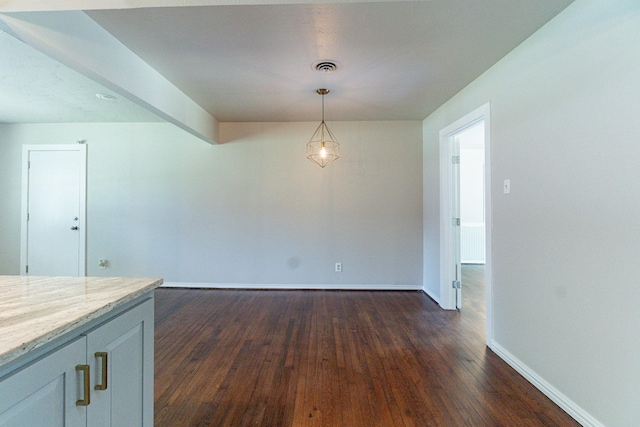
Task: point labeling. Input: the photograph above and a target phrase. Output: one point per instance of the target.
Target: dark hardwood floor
(335, 358)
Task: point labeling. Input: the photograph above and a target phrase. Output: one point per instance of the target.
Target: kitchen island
(76, 351)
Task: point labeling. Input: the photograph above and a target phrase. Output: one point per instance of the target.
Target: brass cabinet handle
(105, 363)
(86, 379)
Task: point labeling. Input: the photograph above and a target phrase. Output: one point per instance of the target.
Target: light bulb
(323, 152)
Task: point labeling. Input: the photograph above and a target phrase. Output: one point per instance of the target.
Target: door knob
(74, 227)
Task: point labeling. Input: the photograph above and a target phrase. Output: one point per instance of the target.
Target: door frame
(447, 262)
(82, 221)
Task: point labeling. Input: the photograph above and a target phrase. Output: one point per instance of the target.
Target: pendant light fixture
(323, 148)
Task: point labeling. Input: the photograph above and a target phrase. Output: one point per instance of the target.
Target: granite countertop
(37, 310)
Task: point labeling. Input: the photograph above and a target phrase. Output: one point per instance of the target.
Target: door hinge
(28, 164)
(455, 160)
(455, 222)
(455, 284)
(26, 269)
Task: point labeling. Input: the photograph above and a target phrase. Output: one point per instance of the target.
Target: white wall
(252, 211)
(472, 225)
(564, 111)
(471, 185)
(10, 181)
(472, 174)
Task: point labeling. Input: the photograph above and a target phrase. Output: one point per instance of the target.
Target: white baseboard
(568, 405)
(340, 287)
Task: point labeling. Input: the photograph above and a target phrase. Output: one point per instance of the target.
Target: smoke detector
(325, 66)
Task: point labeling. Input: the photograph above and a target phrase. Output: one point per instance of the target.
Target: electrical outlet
(103, 264)
(338, 267)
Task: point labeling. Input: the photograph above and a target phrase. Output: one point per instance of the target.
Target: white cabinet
(118, 356)
(45, 392)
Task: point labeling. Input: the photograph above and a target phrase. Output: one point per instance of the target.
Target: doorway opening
(465, 209)
(472, 219)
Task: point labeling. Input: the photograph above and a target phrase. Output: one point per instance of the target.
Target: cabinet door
(45, 392)
(120, 354)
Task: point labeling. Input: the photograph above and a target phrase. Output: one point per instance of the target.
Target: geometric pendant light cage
(323, 148)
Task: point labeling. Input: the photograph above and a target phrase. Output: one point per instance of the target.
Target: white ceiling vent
(325, 66)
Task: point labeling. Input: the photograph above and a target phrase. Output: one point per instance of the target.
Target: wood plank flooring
(335, 358)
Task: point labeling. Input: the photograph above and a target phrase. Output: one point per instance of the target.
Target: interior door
(455, 222)
(53, 210)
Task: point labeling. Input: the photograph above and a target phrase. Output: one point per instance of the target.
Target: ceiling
(396, 60)
(37, 89)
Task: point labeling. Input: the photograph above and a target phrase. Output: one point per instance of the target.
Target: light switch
(507, 186)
